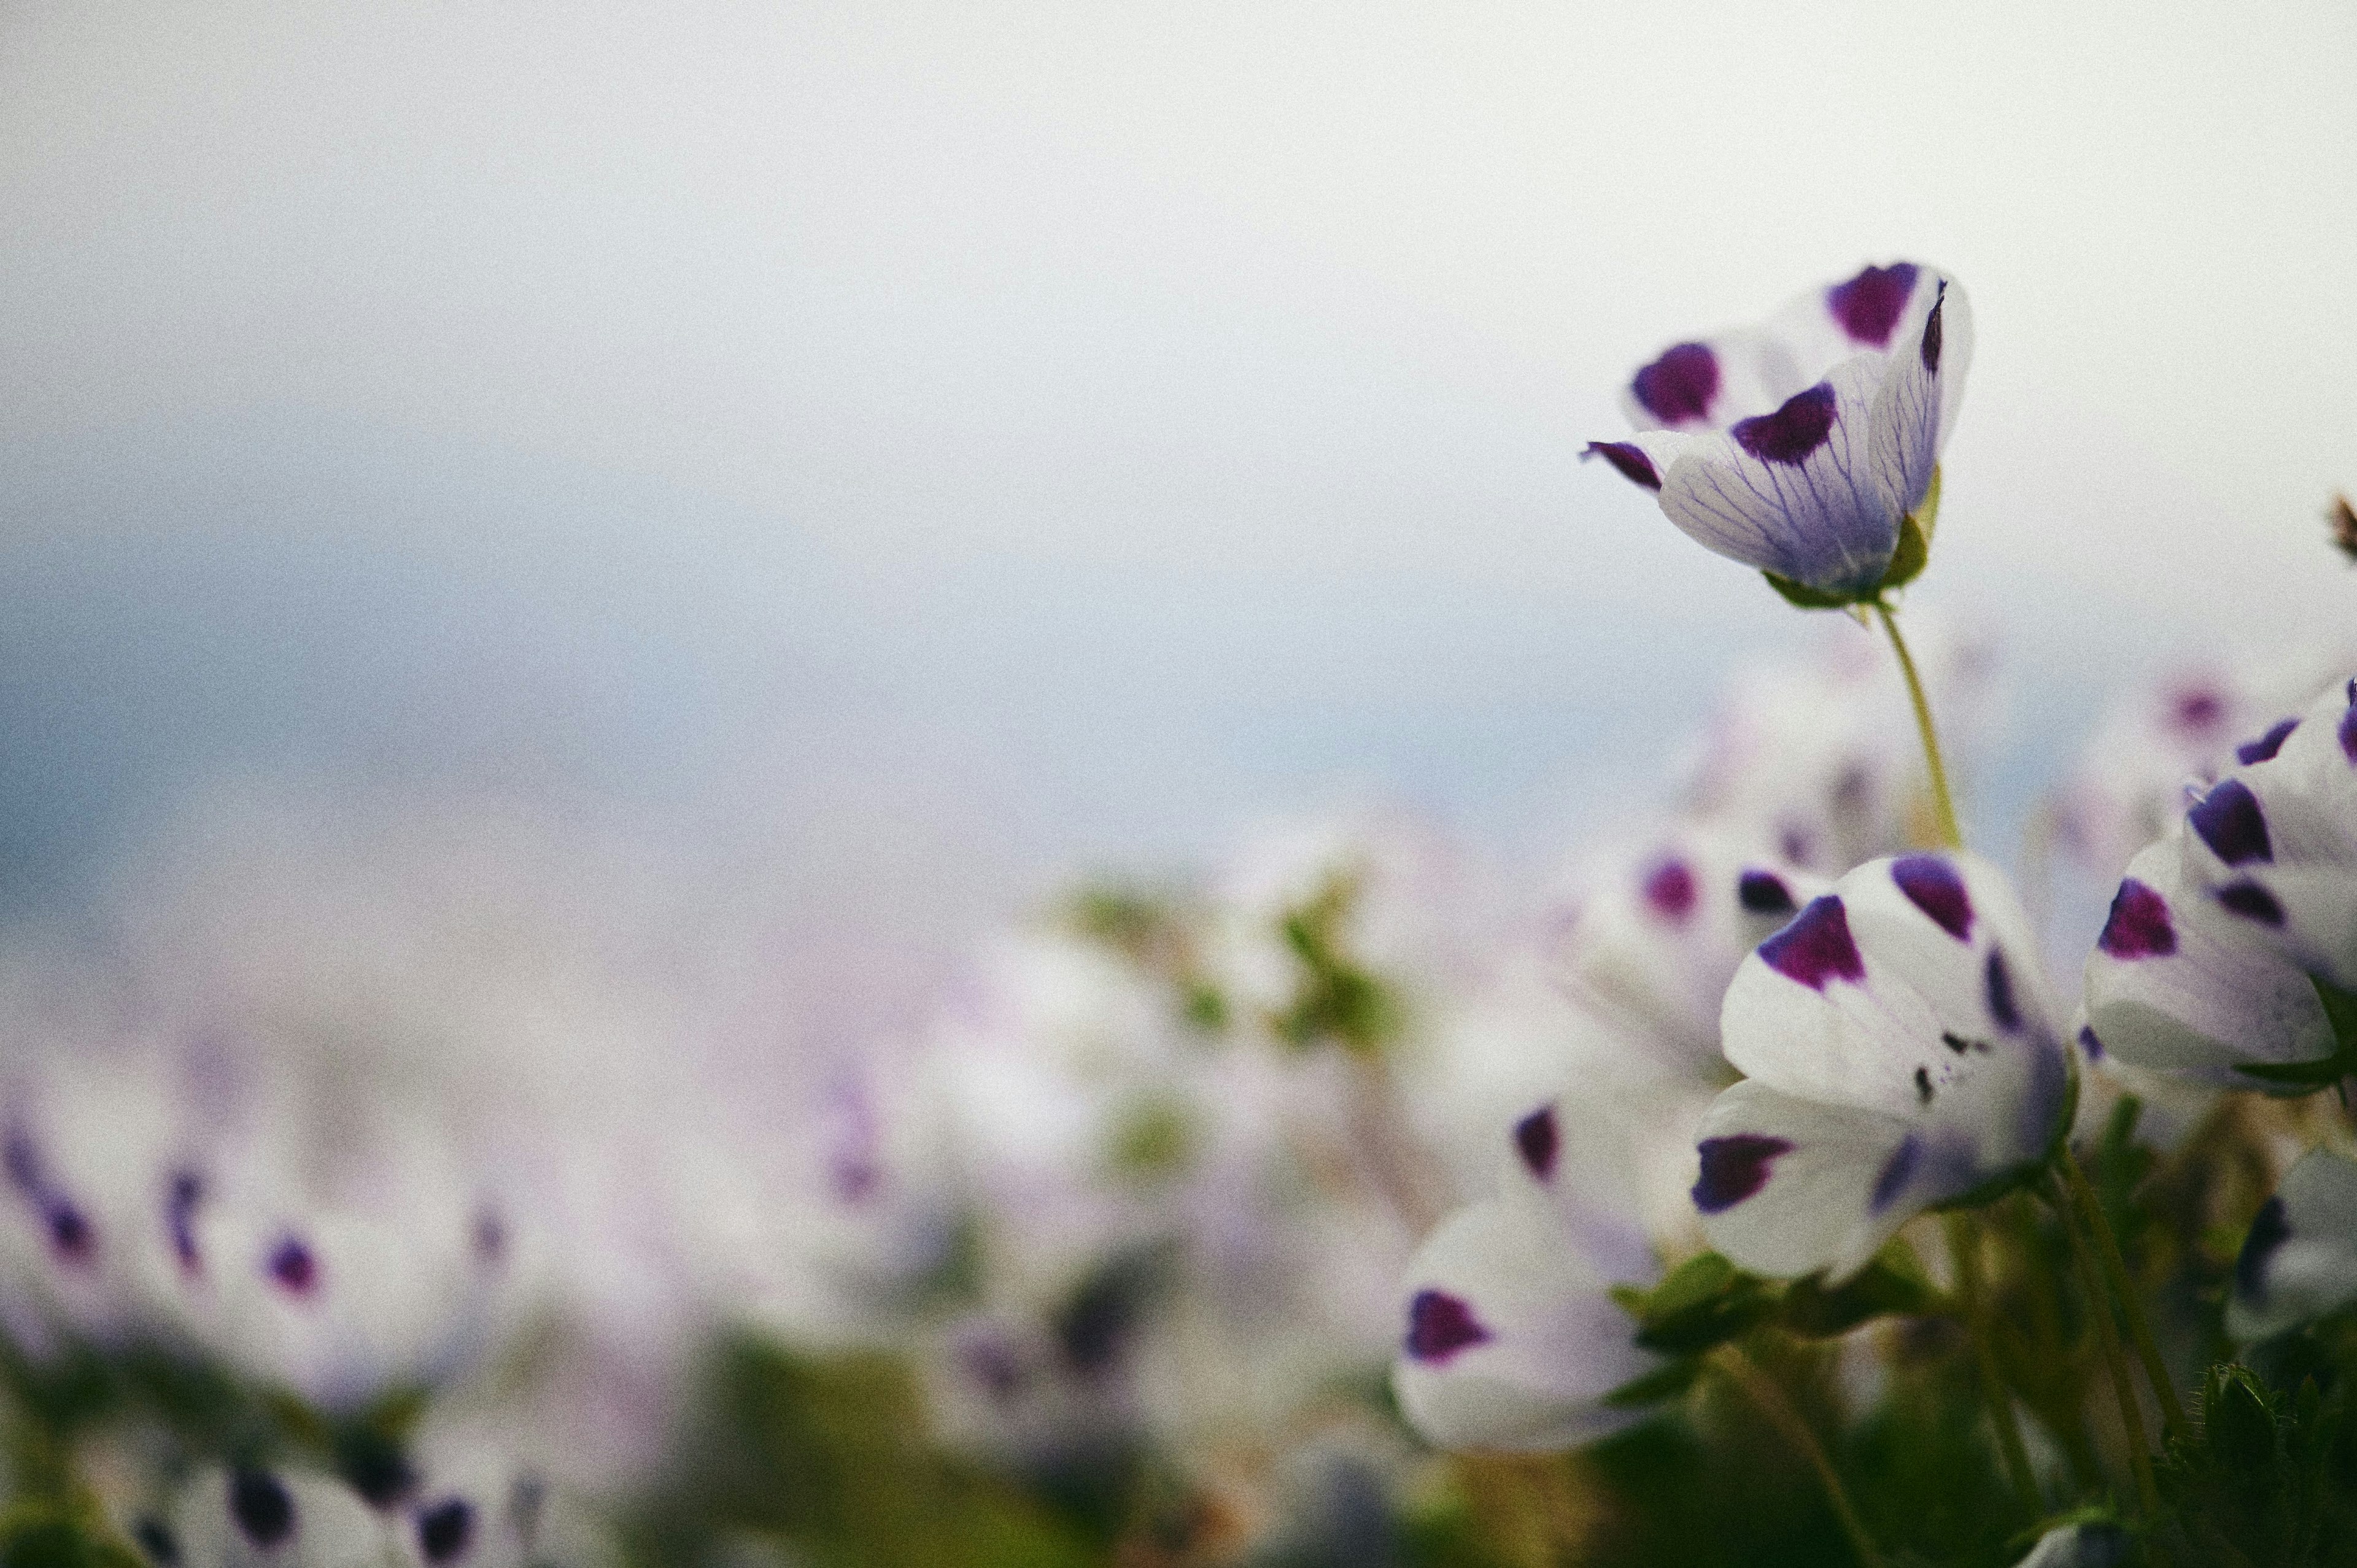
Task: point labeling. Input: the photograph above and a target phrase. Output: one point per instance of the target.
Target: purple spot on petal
(2252, 902)
(259, 1503)
(293, 1266)
(444, 1530)
(70, 1231)
(2231, 824)
(1896, 1172)
(1998, 981)
(2197, 711)
(489, 1237)
(1735, 1167)
(1793, 430)
(2090, 1044)
(181, 1203)
(992, 1362)
(1815, 948)
(2138, 924)
(1670, 890)
(2349, 730)
(1933, 886)
(1764, 893)
(1933, 333)
(1440, 1324)
(2264, 749)
(1869, 305)
(1797, 846)
(1630, 459)
(24, 1164)
(1677, 388)
(2269, 1232)
(1539, 1141)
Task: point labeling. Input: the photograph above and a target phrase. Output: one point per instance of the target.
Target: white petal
(2300, 1261)
(1708, 383)
(1513, 1339)
(1922, 392)
(1792, 1186)
(1795, 492)
(2178, 985)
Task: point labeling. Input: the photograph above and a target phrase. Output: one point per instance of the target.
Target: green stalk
(1965, 1247)
(2107, 1336)
(2115, 1269)
(1764, 1392)
(1944, 805)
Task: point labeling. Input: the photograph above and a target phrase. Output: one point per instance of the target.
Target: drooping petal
(2299, 1260)
(2274, 841)
(2179, 984)
(1642, 458)
(1512, 1341)
(1795, 491)
(1790, 1186)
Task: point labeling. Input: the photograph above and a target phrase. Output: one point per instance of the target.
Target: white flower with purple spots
(2300, 1262)
(2178, 983)
(1899, 1054)
(1514, 1341)
(2274, 841)
(1800, 446)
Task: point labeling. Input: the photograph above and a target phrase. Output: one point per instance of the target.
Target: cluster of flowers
(450, 1194)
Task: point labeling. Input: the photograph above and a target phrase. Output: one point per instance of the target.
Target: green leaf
(1890, 1286)
(1808, 599)
(1706, 1301)
(1907, 561)
(1663, 1383)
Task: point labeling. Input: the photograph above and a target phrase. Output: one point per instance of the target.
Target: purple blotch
(1764, 893)
(489, 1237)
(70, 1231)
(1999, 982)
(293, 1266)
(1923, 1085)
(1735, 1167)
(2138, 925)
(1793, 430)
(1960, 1046)
(1869, 305)
(1539, 1141)
(1630, 459)
(1933, 886)
(2264, 749)
(2231, 824)
(1934, 335)
(2269, 1232)
(1677, 388)
(1897, 1170)
(2252, 902)
(444, 1530)
(2090, 1044)
(2197, 710)
(180, 1201)
(1669, 889)
(993, 1364)
(1815, 948)
(2349, 730)
(259, 1503)
(24, 1163)
(1440, 1324)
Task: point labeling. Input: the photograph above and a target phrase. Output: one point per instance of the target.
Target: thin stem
(1944, 805)
(1965, 1247)
(2107, 1336)
(1764, 1393)
(2115, 1269)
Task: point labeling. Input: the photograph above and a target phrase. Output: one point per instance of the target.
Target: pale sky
(1123, 411)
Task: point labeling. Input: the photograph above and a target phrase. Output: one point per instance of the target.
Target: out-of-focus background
(911, 450)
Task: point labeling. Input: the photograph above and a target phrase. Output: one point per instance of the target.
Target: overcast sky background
(966, 440)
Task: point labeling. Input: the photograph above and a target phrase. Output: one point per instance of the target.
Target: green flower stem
(2107, 1336)
(1761, 1389)
(1965, 1247)
(1944, 805)
(2115, 1269)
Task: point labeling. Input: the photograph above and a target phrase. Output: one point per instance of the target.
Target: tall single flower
(1800, 446)
(1900, 1053)
(2299, 1260)
(2274, 841)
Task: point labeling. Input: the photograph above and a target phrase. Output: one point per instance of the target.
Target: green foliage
(2268, 1474)
(1335, 999)
(48, 1534)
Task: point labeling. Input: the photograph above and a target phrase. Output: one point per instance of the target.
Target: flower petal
(1512, 1341)
(2300, 1262)
(2178, 985)
(1923, 392)
(1709, 383)
(1790, 1186)
(1795, 491)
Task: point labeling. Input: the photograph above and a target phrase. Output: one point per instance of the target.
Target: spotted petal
(2179, 984)
(2274, 841)
(1879, 310)
(1512, 1339)
(1922, 392)
(1899, 1039)
(1708, 383)
(2299, 1260)
(1797, 491)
